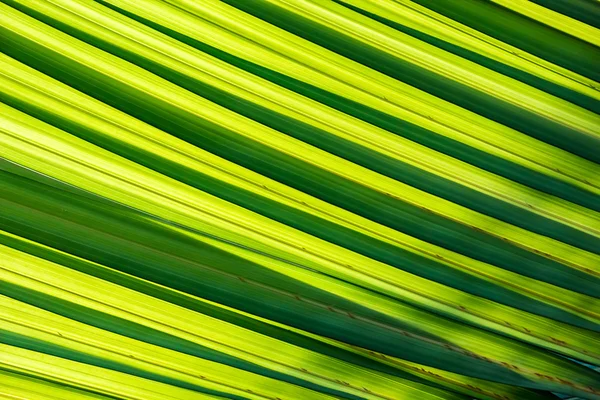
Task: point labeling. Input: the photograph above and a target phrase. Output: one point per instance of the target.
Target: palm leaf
(297, 199)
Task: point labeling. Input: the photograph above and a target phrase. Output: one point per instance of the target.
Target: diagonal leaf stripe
(299, 199)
